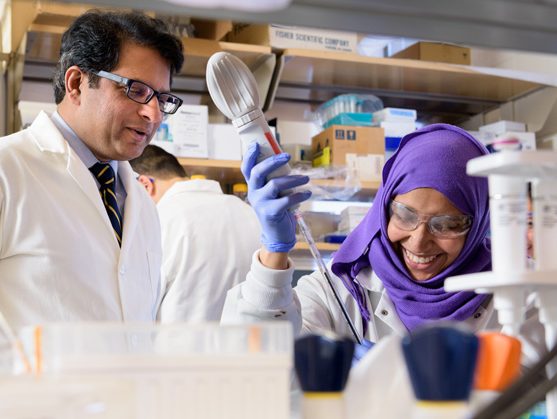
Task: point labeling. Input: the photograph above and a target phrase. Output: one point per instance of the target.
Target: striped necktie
(105, 175)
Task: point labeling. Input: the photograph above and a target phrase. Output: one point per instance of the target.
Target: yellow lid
(198, 177)
(239, 187)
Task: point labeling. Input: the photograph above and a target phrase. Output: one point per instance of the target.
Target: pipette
(234, 91)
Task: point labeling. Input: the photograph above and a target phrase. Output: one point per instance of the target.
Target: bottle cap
(239, 187)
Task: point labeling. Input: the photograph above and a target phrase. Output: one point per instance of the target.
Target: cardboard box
(211, 29)
(436, 51)
(295, 37)
(362, 148)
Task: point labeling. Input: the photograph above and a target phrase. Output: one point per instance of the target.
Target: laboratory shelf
(440, 92)
(46, 21)
(321, 246)
(228, 172)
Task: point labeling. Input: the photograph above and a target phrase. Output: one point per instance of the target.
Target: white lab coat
(208, 238)
(59, 258)
(311, 307)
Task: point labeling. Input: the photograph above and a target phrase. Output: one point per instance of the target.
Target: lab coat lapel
(133, 207)
(50, 140)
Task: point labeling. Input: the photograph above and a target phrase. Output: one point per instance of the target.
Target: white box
(350, 217)
(395, 115)
(223, 142)
(368, 167)
(296, 132)
(398, 128)
(502, 127)
(526, 140)
(29, 110)
(187, 130)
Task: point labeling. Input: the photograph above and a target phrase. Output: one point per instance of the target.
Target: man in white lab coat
(207, 238)
(65, 253)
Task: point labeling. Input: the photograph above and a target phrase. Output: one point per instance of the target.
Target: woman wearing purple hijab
(429, 221)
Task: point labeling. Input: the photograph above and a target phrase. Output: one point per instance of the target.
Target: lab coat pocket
(154, 260)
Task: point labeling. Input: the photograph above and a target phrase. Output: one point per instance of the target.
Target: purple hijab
(432, 157)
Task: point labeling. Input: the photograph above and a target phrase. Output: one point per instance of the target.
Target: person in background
(79, 238)
(207, 237)
(428, 222)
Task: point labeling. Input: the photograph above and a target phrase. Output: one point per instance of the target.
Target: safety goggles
(142, 93)
(444, 226)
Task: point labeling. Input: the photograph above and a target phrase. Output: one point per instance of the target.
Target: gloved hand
(360, 350)
(278, 224)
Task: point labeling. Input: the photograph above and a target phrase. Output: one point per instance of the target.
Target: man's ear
(73, 79)
(148, 184)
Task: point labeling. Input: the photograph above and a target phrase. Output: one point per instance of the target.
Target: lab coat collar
(49, 139)
(195, 185)
(385, 310)
(47, 136)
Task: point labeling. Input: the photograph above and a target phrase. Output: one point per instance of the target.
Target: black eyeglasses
(444, 226)
(142, 93)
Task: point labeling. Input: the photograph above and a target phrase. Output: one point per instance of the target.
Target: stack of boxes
(187, 133)
(360, 148)
(506, 135)
(397, 122)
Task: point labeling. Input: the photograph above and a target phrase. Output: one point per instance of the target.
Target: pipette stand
(512, 279)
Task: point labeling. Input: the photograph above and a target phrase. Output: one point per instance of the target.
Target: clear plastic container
(207, 370)
(346, 103)
(27, 397)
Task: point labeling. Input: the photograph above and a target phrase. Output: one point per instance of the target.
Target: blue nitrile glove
(278, 224)
(360, 350)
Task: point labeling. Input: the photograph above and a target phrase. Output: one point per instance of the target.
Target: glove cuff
(278, 247)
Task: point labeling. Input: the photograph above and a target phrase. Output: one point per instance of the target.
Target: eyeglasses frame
(127, 83)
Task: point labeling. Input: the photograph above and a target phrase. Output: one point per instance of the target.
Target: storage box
(295, 37)
(395, 115)
(187, 130)
(436, 51)
(500, 127)
(211, 29)
(341, 140)
(201, 370)
(350, 217)
(223, 142)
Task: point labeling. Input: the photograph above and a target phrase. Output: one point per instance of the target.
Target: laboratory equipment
(234, 91)
(378, 386)
(199, 370)
(322, 366)
(17, 346)
(523, 393)
(94, 397)
(498, 367)
(441, 361)
(511, 281)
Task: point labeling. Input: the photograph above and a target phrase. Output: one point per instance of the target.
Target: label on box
(294, 37)
(368, 167)
(187, 129)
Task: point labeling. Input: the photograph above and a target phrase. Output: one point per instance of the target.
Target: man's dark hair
(94, 40)
(158, 163)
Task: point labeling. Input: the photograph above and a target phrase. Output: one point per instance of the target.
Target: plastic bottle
(241, 191)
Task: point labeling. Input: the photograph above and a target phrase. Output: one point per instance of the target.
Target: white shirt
(208, 238)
